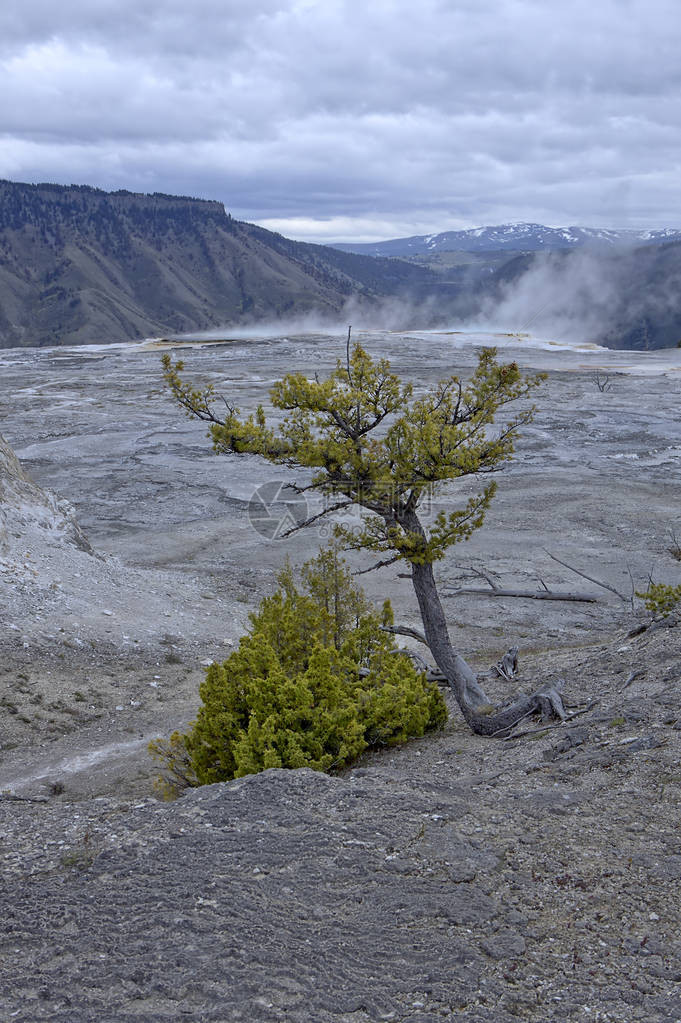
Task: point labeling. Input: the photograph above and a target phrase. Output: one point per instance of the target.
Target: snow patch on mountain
(525, 237)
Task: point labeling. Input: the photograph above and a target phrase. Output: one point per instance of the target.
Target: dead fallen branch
(632, 678)
(587, 598)
(597, 582)
(547, 728)
(12, 797)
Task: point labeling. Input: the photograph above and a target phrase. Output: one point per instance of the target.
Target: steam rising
(623, 298)
(566, 299)
(626, 298)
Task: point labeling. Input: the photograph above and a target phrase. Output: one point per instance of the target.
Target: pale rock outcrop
(33, 522)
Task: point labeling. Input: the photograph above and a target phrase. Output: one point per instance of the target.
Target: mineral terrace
(454, 878)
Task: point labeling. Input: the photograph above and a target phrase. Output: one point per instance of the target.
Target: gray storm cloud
(339, 119)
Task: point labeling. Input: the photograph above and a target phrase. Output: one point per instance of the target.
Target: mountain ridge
(525, 237)
(81, 265)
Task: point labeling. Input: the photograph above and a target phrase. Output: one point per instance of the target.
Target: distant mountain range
(513, 237)
(620, 288)
(79, 265)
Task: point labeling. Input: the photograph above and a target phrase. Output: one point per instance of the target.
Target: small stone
(506, 944)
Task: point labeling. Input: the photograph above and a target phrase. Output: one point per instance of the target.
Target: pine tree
(371, 442)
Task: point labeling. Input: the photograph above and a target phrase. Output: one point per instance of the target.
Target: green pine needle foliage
(314, 683)
(371, 442)
(661, 599)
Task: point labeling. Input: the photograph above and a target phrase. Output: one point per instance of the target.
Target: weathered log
(587, 598)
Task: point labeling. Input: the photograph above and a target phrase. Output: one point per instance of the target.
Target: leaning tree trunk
(480, 714)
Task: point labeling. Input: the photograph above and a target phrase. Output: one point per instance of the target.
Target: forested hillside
(79, 265)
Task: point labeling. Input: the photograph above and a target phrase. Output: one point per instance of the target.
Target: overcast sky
(354, 119)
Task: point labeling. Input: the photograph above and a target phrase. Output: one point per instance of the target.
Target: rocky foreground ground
(455, 878)
(535, 878)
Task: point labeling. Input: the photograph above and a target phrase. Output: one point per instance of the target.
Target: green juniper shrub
(661, 599)
(314, 683)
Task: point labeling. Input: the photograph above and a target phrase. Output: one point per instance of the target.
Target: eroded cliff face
(32, 521)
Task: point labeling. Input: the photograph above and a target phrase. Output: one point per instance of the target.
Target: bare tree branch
(598, 582)
(379, 564)
(405, 630)
(315, 518)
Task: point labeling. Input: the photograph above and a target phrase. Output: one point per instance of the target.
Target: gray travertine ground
(455, 878)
